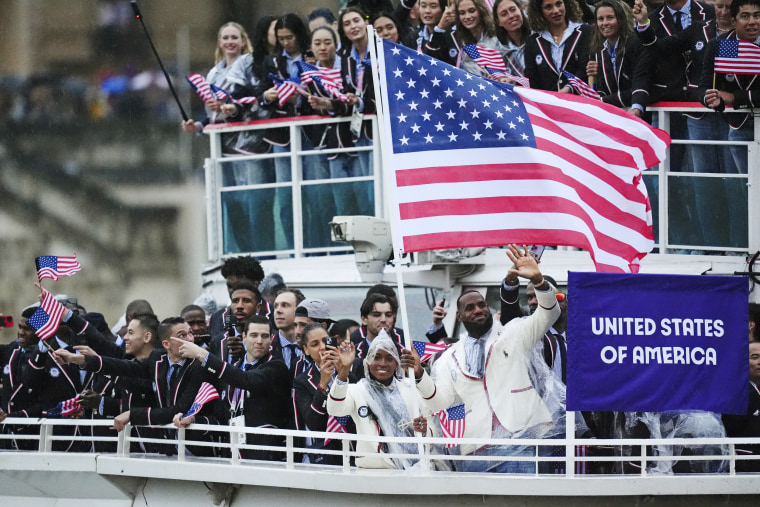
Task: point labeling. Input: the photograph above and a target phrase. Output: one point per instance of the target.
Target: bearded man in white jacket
(488, 371)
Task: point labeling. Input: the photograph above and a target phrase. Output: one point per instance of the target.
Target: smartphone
(537, 251)
(443, 302)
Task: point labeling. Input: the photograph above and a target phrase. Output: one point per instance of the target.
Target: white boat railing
(677, 205)
(637, 452)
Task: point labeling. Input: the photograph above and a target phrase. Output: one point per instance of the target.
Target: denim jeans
(351, 198)
(500, 467)
(712, 216)
(317, 204)
(247, 214)
(283, 201)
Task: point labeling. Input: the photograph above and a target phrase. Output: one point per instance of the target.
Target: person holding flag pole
(232, 43)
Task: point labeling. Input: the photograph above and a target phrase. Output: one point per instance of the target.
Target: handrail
(665, 446)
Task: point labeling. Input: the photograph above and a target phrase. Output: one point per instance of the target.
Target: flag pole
(387, 172)
(392, 211)
(138, 16)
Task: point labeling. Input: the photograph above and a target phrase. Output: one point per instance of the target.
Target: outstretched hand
(190, 350)
(63, 356)
(525, 264)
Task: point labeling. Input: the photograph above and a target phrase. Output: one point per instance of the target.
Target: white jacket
(505, 390)
(351, 399)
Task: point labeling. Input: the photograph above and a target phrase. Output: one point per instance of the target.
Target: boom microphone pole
(138, 15)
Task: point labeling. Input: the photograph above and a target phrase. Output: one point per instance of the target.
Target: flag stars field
(477, 101)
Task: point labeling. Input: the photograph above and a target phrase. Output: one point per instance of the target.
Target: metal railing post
(295, 188)
(181, 444)
(753, 189)
(46, 432)
(569, 443)
(662, 198)
(346, 448)
(377, 169)
(123, 441)
(213, 208)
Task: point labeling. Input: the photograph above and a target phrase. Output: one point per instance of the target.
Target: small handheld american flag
(225, 95)
(201, 86)
(493, 63)
(452, 422)
(65, 407)
(737, 57)
(53, 267)
(336, 425)
(328, 79)
(285, 87)
(47, 317)
(581, 86)
(206, 393)
(427, 350)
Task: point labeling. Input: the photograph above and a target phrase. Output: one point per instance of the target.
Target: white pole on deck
(392, 213)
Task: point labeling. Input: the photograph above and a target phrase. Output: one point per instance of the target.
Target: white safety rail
(664, 177)
(665, 171)
(215, 165)
(628, 450)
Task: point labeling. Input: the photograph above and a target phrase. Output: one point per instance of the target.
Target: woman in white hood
(380, 404)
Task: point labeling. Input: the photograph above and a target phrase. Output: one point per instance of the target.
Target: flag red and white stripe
(54, 267)
(453, 422)
(201, 86)
(427, 350)
(582, 87)
(46, 319)
(336, 425)
(206, 393)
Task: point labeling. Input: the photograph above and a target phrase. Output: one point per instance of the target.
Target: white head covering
(384, 342)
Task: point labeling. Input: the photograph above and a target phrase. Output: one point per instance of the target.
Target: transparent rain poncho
(693, 424)
(553, 392)
(387, 404)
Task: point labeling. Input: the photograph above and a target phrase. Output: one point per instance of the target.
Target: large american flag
(452, 422)
(737, 57)
(427, 350)
(47, 316)
(53, 267)
(206, 393)
(482, 163)
(336, 425)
